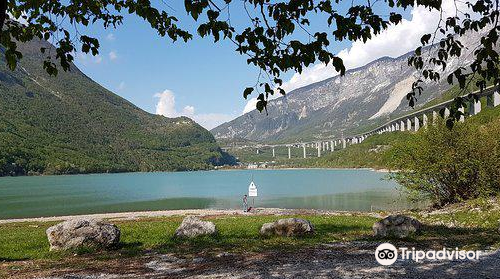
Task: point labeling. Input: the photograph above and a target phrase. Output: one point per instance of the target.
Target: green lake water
(357, 190)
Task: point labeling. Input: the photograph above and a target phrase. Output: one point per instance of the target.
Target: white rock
(287, 227)
(192, 226)
(76, 233)
(399, 226)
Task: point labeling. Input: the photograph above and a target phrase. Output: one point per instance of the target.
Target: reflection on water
(362, 201)
(360, 190)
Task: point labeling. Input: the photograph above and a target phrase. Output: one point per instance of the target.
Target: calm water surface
(99, 193)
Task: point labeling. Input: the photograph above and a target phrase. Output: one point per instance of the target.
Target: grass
(24, 248)
(237, 234)
(24, 241)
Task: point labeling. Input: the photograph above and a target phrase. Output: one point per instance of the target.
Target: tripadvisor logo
(387, 254)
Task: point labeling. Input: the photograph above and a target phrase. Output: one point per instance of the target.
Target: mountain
(359, 101)
(71, 124)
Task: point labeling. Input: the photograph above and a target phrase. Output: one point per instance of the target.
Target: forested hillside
(71, 124)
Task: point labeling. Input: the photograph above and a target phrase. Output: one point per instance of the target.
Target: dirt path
(351, 260)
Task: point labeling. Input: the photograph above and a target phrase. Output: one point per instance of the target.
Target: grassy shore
(473, 226)
(20, 241)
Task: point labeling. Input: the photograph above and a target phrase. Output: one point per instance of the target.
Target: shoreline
(133, 215)
(382, 170)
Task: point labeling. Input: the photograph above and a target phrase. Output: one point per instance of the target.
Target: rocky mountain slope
(362, 99)
(71, 124)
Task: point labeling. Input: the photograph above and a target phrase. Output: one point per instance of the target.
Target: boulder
(77, 233)
(192, 226)
(399, 226)
(287, 227)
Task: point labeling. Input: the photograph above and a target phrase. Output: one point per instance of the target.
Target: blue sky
(202, 79)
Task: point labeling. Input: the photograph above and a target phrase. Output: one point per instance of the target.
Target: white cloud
(250, 105)
(110, 37)
(87, 59)
(188, 110)
(166, 104)
(98, 59)
(121, 86)
(211, 120)
(394, 41)
(112, 55)
(166, 107)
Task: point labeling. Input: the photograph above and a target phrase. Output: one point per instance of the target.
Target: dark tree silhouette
(268, 40)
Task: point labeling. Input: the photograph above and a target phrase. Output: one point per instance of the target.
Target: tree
(447, 166)
(268, 41)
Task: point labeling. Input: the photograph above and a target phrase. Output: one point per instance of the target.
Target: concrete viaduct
(410, 122)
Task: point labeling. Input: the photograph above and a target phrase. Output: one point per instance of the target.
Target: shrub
(449, 165)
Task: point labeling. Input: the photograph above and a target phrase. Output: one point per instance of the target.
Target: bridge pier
(425, 120)
(304, 150)
(417, 124)
(493, 100)
(274, 155)
(289, 152)
(446, 113)
(408, 124)
(344, 144)
(332, 147)
(475, 107)
(434, 117)
(319, 150)
(462, 117)
(402, 125)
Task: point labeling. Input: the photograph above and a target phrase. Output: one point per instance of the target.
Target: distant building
(252, 166)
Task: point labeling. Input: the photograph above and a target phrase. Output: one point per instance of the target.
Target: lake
(36, 196)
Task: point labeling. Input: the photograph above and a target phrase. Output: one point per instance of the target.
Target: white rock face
(192, 226)
(287, 227)
(398, 94)
(82, 233)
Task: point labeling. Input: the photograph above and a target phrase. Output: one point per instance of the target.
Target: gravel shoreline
(182, 212)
